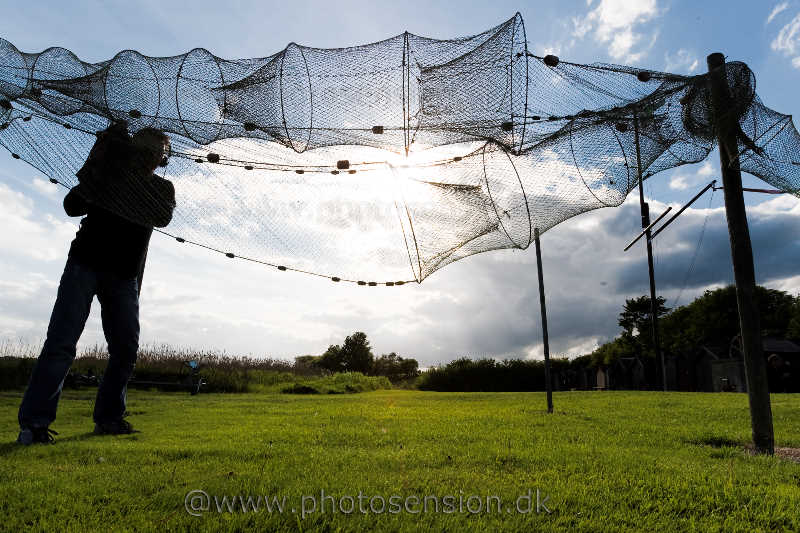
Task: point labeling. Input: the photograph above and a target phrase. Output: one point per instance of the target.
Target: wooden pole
(645, 210)
(727, 130)
(545, 339)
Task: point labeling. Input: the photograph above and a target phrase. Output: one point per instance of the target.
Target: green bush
(342, 383)
(488, 375)
(15, 372)
(166, 366)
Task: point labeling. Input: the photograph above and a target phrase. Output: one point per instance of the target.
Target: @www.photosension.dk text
(198, 502)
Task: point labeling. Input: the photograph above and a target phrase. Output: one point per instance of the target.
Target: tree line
(355, 355)
(712, 320)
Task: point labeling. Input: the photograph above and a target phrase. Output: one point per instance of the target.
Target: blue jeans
(119, 302)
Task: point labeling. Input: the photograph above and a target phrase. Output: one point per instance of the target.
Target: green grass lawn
(605, 462)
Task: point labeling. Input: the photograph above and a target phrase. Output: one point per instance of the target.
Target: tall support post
(545, 339)
(645, 210)
(727, 130)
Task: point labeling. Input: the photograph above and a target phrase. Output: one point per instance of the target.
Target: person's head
(152, 148)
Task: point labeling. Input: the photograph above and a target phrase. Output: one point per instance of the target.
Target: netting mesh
(385, 161)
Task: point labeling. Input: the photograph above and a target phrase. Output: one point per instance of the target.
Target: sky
(483, 306)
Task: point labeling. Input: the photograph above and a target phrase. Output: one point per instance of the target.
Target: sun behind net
(381, 163)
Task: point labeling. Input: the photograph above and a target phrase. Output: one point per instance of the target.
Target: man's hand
(75, 205)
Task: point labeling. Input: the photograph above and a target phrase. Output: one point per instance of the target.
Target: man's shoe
(117, 427)
(28, 436)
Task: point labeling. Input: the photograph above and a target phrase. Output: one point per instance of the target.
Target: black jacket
(112, 243)
(121, 204)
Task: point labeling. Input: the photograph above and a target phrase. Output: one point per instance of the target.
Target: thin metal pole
(727, 130)
(645, 210)
(545, 339)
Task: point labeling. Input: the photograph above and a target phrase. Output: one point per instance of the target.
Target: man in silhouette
(122, 200)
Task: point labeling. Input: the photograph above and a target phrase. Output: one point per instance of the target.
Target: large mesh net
(384, 162)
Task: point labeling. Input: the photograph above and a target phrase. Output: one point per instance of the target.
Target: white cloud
(706, 169)
(788, 41)
(701, 175)
(682, 60)
(782, 204)
(28, 232)
(19, 290)
(790, 285)
(678, 183)
(25, 300)
(46, 188)
(615, 23)
(560, 45)
(777, 10)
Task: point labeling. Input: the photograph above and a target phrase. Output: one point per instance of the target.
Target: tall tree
(712, 319)
(357, 353)
(635, 321)
(333, 359)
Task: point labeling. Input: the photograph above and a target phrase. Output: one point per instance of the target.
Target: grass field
(602, 462)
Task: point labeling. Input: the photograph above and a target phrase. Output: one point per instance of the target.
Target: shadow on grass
(9, 448)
